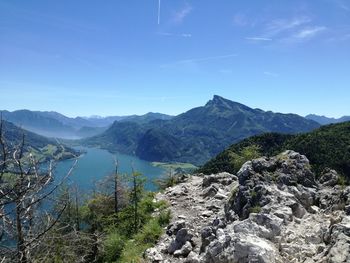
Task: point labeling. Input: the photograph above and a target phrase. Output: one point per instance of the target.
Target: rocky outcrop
(195, 203)
(272, 211)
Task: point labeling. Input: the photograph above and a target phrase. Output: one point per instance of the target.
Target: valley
(174, 131)
(198, 134)
(158, 144)
(186, 173)
(192, 137)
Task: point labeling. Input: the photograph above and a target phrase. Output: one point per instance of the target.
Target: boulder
(249, 249)
(329, 177)
(207, 236)
(340, 242)
(184, 251)
(211, 191)
(192, 258)
(241, 249)
(182, 236)
(221, 178)
(173, 228)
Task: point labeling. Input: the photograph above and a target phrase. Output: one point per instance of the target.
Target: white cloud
(158, 12)
(186, 35)
(167, 34)
(280, 26)
(294, 30)
(207, 58)
(271, 74)
(342, 4)
(198, 60)
(180, 15)
(259, 38)
(309, 32)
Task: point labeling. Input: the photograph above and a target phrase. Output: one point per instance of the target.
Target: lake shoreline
(95, 164)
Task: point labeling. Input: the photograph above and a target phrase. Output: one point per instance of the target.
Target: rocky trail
(273, 210)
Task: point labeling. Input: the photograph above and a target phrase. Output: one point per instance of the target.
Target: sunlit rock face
(273, 210)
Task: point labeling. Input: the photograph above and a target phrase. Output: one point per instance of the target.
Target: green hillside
(328, 146)
(198, 134)
(42, 147)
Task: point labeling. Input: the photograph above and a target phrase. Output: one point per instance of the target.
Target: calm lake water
(93, 166)
(96, 164)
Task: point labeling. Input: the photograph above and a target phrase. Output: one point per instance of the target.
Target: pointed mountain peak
(222, 103)
(217, 97)
(218, 101)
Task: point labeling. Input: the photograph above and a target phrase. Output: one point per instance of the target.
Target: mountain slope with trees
(41, 146)
(326, 147)
(198, 134)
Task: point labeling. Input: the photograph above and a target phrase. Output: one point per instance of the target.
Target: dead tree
(115, 186)
(26, 187)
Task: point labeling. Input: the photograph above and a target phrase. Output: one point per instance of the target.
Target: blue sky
(112, 57)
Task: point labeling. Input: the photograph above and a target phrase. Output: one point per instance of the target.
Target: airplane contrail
(158, 12)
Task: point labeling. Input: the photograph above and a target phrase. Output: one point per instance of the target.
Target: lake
(95, 164)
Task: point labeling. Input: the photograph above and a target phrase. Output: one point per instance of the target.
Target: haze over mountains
(194, 136)
(323, 120)
(54, 124)
(40, 146)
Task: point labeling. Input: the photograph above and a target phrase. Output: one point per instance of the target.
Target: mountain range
(323, 120)
(194, 136)
(198, 134)
(54, 124)
(40, 146)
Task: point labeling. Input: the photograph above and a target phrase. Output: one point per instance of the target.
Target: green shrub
(134, 248)
(132, 252)
(164, 217)
(246, 154)
(267, 144)
(125, 221)
(161, 205)
(255, 209)
(113, 247)
(342, 181)
(233, 193)
(166, 181)
(149, 233)
(328, 146)
(145, 238)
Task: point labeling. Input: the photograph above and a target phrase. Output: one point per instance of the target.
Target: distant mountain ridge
(198, 134)
(43, 123)
(13, 135)
(148, 117)
(323, 120)
(54, 124)
(40, 146)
